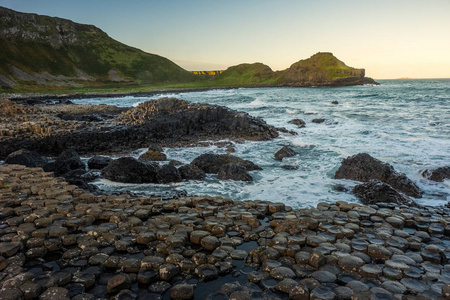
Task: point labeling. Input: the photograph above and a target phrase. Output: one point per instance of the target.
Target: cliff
(48, 51)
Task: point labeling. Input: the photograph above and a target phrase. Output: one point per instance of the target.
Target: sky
(389, 38)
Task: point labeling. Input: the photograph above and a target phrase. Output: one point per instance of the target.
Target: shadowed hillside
(41, 50)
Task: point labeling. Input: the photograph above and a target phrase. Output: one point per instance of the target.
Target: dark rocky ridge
(168, 122)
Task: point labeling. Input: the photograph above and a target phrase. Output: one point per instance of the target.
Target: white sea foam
(369, 119)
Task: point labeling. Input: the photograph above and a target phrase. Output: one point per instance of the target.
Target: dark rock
(234, 172)
(211, 163)
(438, 174)
(55, 293)
(363, 167)
(191, 172)
(376, 191)
(99, 162)
(335, 102)
(182, 292)
(130, 170)
(300, 123)
(318, 121)
(26, 158)
(67, 161)
(118, 283)
(207, 272)
(167, 174)
(284, 152)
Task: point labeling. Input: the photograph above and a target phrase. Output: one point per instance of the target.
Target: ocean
(405, 123)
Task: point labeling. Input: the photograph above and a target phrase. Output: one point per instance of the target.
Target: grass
(4, 187)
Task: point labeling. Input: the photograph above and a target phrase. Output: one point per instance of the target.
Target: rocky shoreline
(59, 242)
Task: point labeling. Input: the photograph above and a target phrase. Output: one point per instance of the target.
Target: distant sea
(405, 123)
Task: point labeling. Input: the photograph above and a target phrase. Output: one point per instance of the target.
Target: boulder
(284, 152)
(68, 160)
(299, 122)
(211, 163)
(167, 174)
(191, 172)
(99, 162)
(318, 121)
(154, 153)
(234, 172)
(130, 170)
(438, 174)
(376, 191)
(26, 158)
(363, 167)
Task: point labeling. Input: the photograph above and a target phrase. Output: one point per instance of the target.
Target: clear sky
(389, 38)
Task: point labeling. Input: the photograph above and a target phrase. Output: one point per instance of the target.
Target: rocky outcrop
(284, 152)
(130, 170)
(211, 163)
(26, 158)
(235, 172)
(363, 167)
(438, 174)
(98, 162)
(167, 122)
(375, 191)
(168, 174)
(67, 161)
(191, 172)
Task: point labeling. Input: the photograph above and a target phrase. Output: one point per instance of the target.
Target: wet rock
(323, 293)
(376, 191)
(300, 123)
(324, 276)
(130, 170)
(438, 174)
(206, 272)
(154, 153)
(281, 273)
(99, 162)
(363, 167)
(26, 158)
(350, 263)
(167, 174)
(159, 287)
(414, 286)
(182, 292)
(55, 293)
(191, 172)
(67, 161)
(211, 163)
(284, 152)
(235, 172)
(30, 290)
(168, 271)
(318, 121)
(286, 285)
(118, 283)
(299, 293)
(210, 243)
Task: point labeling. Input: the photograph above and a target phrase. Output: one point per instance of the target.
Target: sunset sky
(390, 39)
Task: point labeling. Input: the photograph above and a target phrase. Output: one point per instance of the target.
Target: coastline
(23, 97)
(76, 244)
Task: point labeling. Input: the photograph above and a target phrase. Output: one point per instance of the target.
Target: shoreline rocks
(167, 121)
(56, 238)
(363, 167)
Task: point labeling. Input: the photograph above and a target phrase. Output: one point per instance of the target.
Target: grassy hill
(47, 51)
(48, 54)
(321, 69)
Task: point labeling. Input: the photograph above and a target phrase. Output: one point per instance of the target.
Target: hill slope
(321, 69)
(42, 50)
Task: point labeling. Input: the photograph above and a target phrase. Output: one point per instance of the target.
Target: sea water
(405, 123)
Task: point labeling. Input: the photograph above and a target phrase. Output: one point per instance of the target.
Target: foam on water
(404, 123)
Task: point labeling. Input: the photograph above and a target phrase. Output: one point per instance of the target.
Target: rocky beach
(62, 238)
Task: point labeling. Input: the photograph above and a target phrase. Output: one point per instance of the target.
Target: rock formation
(363, 167)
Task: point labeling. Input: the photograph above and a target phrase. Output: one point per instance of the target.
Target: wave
(291, 111)
(389, 137)
(366, 96)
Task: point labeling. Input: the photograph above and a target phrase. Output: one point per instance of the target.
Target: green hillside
(41, 50)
